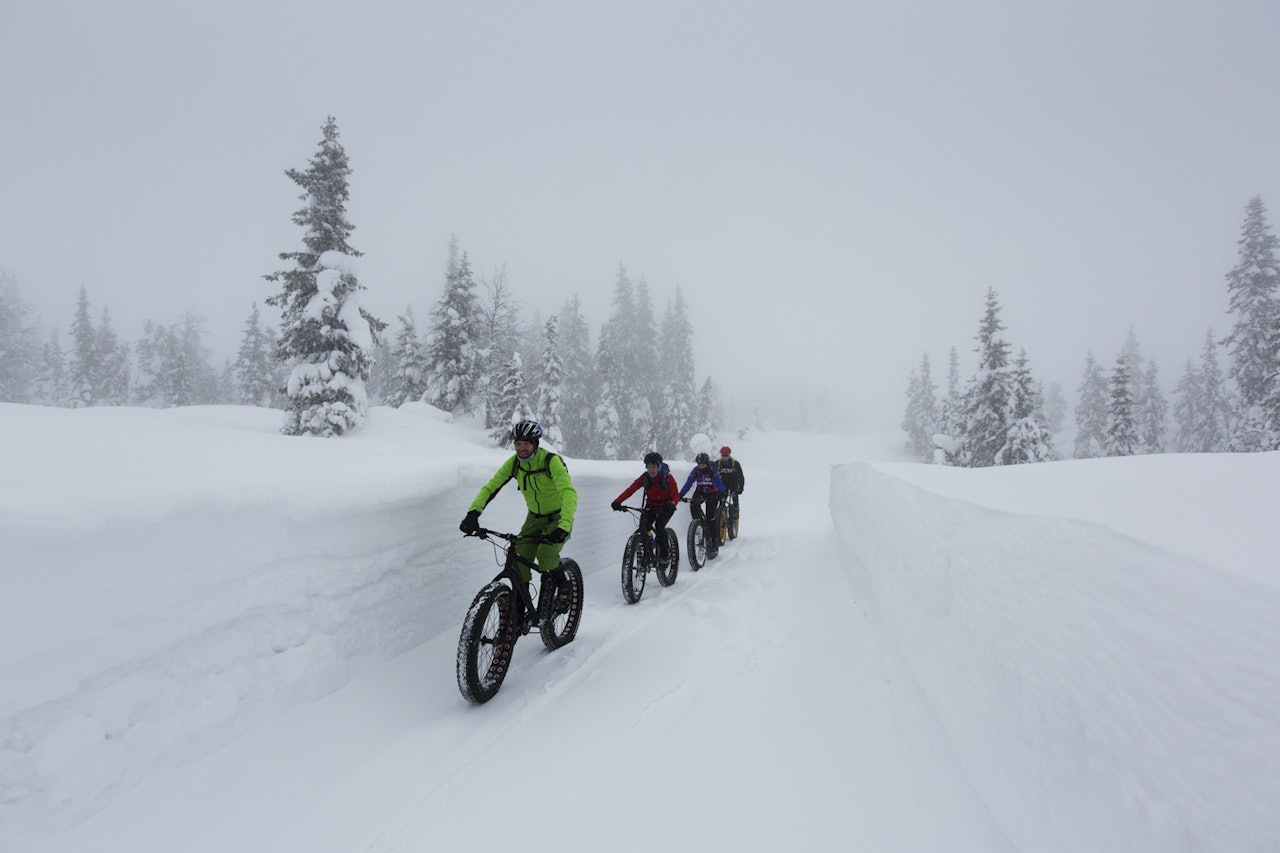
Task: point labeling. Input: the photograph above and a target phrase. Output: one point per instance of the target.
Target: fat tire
(733, 519)
(487, 641)
(667, 571)
(559, 628)
(697, 545)
(633, 577)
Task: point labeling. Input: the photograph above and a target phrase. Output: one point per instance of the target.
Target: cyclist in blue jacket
(708, 488)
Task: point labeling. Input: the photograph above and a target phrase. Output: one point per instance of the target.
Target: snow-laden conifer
(112, 357)
(513, 400)
(988, 400)
(83, 369)
(678, 407)
(578, 388)
(326, 338)
(258, 380)
(920, 421)
(1122, 432)
(1028, 438)
(1091, 411)
(408, 382)
(19, 346)
(455, 359)
(547, 405)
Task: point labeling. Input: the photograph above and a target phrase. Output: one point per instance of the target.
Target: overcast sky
(833, 185)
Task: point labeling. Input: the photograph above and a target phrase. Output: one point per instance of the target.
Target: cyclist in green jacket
(548, 491)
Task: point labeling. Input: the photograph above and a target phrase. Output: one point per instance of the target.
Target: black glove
(617, 506)
(684, 500)
(470, 524)
(557, 536)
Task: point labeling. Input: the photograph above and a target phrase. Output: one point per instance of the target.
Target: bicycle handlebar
(485, 533)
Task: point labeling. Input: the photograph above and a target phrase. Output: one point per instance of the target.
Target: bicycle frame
(511, 559)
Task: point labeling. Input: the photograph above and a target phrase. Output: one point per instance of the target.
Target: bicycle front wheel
(733, 519)
(633, 575)
(668, 568)
(487, 640)
(560, 608)
(697, 545)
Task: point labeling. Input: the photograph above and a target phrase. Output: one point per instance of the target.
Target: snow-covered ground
(214, 637)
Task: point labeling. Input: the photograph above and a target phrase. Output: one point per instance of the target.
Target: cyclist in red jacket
(661, 497)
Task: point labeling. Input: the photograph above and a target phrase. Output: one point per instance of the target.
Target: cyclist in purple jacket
(708, 488)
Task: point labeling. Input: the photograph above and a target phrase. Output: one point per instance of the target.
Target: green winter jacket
(544, 481)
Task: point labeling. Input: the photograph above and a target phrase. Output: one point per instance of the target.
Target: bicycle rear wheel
(633, 576)
(668, 568)
(487, 640)
(560, 608)
(697, 545)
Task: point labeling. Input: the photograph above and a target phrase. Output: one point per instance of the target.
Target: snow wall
(1102, 694)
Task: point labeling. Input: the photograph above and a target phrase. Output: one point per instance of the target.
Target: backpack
(545, 469)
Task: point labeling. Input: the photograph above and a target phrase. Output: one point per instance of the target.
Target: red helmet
(725, 451)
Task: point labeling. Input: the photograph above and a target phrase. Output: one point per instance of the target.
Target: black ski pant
(656, 517)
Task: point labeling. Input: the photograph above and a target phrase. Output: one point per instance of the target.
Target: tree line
(329, 359)
(1004, 416)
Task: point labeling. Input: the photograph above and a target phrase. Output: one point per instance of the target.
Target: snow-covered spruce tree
(83, 372)
(1201, 410)
(409, 381)
(613, 363)
(52, 389)
(498, 337)
(455, 360)
(988, 400)
(641, 366)
(187, 377)
(1028, 438)
(19, 346)
(1254, 342)
(610, 409)
(946, 440)
(710, 410)
(1091, 411)
(547, 408)
(1187, 395)
(920, 421)
(112, 357)
(256, 374)
(677, 416)
(578, 394)
(326, 338)
(1122, 432)
(1151, 410)
(1215, 399)
(1055, 407)
(514, 400)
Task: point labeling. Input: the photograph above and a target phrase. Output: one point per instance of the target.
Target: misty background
(832, 186)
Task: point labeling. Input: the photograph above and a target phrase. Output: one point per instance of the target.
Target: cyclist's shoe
(555, 584)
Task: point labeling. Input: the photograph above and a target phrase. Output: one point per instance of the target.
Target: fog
(832, 186)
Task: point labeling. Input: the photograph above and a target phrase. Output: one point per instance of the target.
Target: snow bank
(1103, 693)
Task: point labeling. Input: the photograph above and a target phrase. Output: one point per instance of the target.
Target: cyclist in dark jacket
(734, 481)
(730, 471)
(660, 500)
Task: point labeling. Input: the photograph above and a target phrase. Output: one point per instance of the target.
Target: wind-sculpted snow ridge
(1103, 693)
(273, 611)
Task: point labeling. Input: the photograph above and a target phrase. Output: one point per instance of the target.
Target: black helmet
(526, 431)
(701, 458)
(653, 457)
